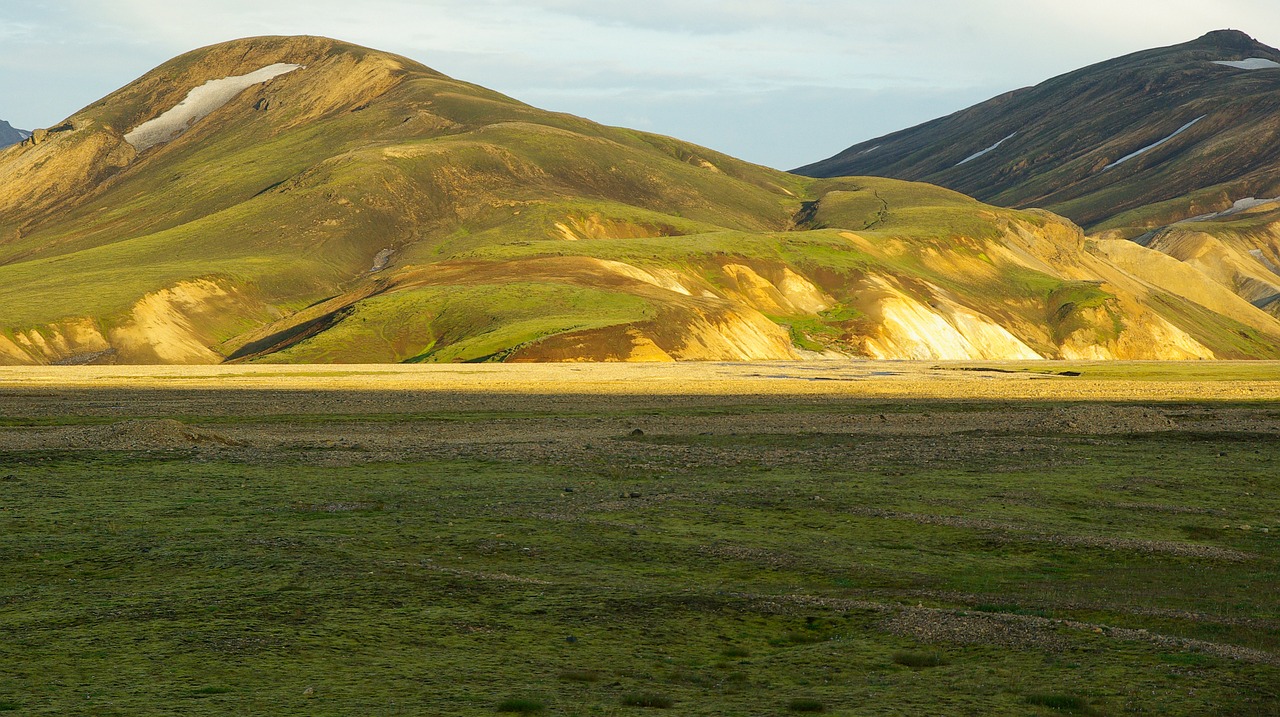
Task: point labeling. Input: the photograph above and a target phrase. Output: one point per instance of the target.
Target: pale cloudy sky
(779, 82)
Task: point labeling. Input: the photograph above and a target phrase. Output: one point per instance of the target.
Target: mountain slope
(1239, 249)
(302, 199)
(1176, 148)
(9, 135)
(1139, 141)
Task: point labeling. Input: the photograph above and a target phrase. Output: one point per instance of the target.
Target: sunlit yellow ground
(1155, 381)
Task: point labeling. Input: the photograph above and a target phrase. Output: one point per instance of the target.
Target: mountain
(300, 199)
(1176, 148)
(1239, 248)
(1140, 141)
(9, 135)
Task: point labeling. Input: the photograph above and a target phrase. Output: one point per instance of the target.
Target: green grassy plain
(609, 554)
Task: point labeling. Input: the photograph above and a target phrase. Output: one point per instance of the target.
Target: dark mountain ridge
(11, 135)
(1142, 140)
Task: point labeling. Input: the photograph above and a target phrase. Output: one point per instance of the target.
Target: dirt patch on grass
(934, 625)
(931, 625)
(150, 434)
(1092, 419)
(1016, 533)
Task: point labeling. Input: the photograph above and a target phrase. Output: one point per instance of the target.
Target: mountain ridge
(11, 135)
(1177, 148)
(1066, 138)
(363, 207)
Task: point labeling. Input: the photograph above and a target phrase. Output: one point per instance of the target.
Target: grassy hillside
(366, 208)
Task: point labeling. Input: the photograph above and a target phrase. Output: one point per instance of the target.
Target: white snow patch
(869, 151)
(200, 103)
(1253, 63)
(1240, 205)
(986, 151)
(1150, 147)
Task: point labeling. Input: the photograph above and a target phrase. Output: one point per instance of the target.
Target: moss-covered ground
(744, 558)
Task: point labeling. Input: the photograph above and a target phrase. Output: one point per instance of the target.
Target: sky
(777, 82)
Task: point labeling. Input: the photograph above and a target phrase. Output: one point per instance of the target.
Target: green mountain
(298, 199)
(9, 135)
(1139, 141)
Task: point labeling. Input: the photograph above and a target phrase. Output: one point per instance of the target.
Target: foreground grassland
(870, 539)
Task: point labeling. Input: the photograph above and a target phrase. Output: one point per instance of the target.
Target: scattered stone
(159, 434)
(1101, 418)
(333, 507)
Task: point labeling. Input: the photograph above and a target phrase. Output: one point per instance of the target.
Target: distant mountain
(9, 135)
(1140, 141)
(1177, 148)
(299, 199)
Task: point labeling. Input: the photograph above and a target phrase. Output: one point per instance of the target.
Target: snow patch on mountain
(199, 103)
(1253, 63)
(986, 151)
(1150, 147)
(1240, 205)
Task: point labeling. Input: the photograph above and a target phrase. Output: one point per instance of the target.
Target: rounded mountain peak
(336, 74)
(239, 56)
(1229, 40)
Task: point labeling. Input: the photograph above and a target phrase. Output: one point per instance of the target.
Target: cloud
(689, 59)
(11, 30)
